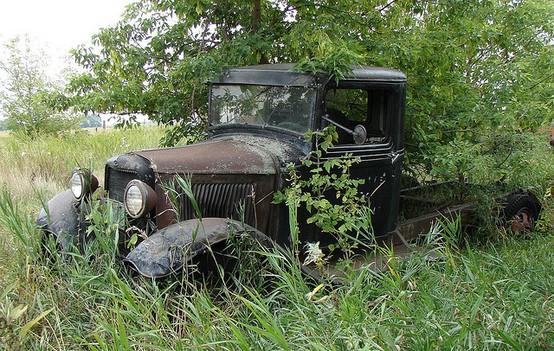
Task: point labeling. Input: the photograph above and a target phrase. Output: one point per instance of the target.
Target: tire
(521, 214)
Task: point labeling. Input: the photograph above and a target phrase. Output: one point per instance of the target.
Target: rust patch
(230, 155)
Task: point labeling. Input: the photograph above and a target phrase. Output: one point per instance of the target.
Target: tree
(157, 59)
(27, 92)
(476, 68)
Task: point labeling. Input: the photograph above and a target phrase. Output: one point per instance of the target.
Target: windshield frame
(280, 107)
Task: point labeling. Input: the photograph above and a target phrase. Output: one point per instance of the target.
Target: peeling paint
(240, 154)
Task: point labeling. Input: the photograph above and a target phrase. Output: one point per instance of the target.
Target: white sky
(58, 25)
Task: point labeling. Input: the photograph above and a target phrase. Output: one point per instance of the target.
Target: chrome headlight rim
(143, 196)
(82, 183)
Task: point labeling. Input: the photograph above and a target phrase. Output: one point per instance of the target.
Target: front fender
(169, 249)
(61, 217)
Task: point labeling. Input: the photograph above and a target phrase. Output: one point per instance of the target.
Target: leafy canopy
(477, 69)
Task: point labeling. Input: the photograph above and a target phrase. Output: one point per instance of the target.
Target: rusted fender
(62, 219)
(169, 249)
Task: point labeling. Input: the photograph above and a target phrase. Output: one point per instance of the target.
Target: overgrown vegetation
(42, 166)
(330, 195)
(495, 296)
(470, 112)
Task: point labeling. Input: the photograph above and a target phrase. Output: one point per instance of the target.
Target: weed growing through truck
(330, 195)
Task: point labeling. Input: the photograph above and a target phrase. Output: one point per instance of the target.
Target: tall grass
(491, 297)
(43, 166)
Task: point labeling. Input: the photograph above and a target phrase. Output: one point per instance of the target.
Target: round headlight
(139, 198)
(82, 183)
(76, 183)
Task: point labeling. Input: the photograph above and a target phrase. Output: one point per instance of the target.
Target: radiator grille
(118, 181)
(221, 200)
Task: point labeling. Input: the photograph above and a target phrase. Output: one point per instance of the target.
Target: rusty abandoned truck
(258, 116)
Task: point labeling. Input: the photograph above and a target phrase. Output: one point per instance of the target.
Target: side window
(351, 107)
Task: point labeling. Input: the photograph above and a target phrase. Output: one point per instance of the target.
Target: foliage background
(478, 70)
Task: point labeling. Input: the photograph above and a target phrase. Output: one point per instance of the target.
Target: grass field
(491, 295)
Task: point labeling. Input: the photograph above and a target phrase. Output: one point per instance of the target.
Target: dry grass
(43, 166)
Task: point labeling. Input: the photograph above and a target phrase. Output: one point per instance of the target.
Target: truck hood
(238, 154)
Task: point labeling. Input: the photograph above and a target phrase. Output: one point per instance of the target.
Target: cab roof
(285, 74)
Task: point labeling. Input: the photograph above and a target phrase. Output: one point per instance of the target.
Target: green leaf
(25, 329)
(17, 312)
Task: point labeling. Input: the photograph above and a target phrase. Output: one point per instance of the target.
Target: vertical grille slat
(220, 200)
(212, 201)
(233, 196)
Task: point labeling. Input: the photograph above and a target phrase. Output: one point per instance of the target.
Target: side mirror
(359, 134)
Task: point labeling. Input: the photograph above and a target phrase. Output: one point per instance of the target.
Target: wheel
(245, 259)
(521, 214)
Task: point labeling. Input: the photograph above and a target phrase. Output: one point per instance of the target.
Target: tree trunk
(256, 23)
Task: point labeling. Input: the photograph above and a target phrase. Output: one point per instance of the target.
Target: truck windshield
(279, 106)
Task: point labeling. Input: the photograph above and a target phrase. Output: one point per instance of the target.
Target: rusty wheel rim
(522, 223)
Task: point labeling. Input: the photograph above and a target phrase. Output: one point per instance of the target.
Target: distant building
(91, 120)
